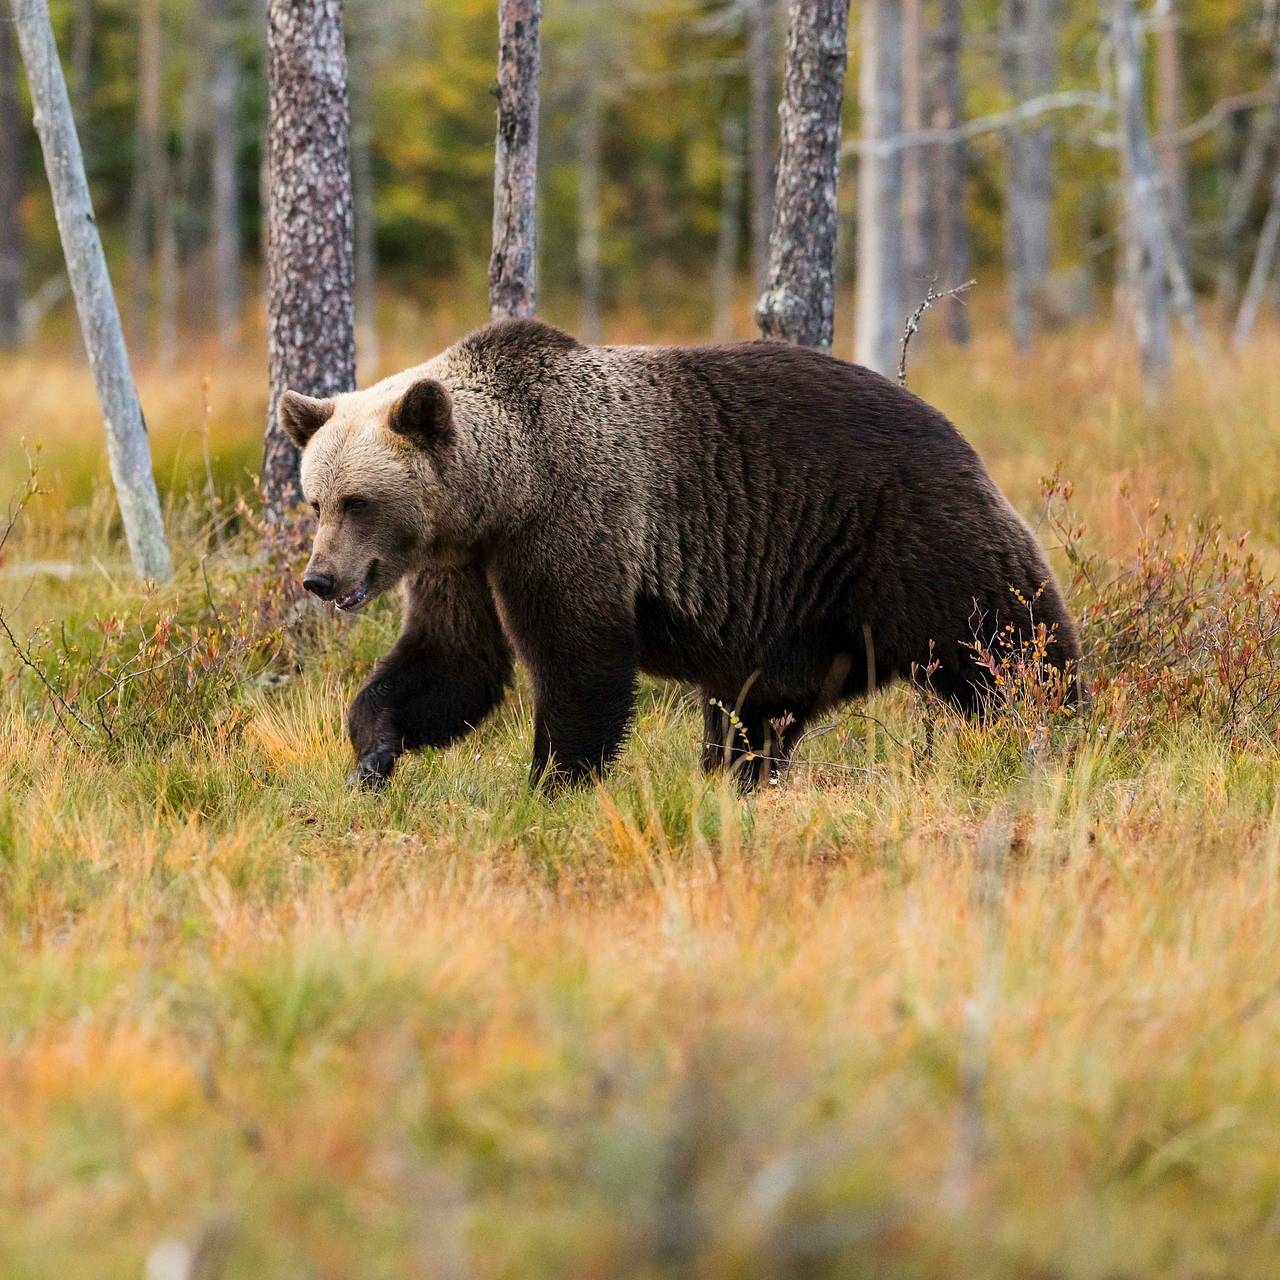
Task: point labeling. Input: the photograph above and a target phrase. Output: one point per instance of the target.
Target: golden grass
(903, 1016)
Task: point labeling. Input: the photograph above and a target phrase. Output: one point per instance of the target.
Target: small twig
(913, 321)
(60, 704)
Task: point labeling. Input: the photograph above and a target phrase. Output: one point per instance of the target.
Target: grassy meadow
(954, 1000)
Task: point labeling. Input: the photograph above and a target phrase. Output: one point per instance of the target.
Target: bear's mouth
(360, 596)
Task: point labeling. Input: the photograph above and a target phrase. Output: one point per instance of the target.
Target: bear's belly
(676, 646)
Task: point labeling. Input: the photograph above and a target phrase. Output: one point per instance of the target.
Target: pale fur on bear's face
(369, 472)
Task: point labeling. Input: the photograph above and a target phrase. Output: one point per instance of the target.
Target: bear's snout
(319, 584)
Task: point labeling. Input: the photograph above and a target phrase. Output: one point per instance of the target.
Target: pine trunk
(128, 451)
(1146, 268)
(799, 302)
(10, 193)
(881, 306)
(762, 113)
(513, 265)
(1030, 67)
(310, 312)
(224, 172)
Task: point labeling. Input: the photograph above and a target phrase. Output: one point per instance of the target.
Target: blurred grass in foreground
(930, 1009)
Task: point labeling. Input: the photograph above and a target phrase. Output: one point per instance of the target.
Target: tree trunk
(1263, 270)
(1146, 267)
(310, 313)
(512, 268)
(127, 448)
(224, 89)
(1030, 69)
(760, 17)
(881, 308)
(955, 252)
(724, 286)
(10, 193)
(589, 275)
(799, 303)
(1168, 104)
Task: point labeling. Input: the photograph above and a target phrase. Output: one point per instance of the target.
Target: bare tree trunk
(1030, 66)
(224, 172)
(310, 314)
(1146, 246)
(1263, 270)
(589, 200)
(881, 306)
(1168, 104)
(760, 124)
(955, 252)
(128, 451)
(726, 270)
(916, 269)
(799, 303)
(10, 193)
(512, 268)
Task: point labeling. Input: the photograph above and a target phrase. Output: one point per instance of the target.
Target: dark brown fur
(770, 524)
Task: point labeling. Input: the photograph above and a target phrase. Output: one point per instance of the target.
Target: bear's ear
(302, 416)
(424, 414)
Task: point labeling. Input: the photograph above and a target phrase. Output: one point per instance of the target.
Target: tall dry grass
(939, 1006)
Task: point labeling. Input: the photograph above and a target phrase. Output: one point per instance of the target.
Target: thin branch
(913, 320)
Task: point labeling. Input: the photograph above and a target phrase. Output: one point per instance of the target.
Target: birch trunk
(762, 113)
(224, 173)
(799, 302)
(881, 308)
(1030, 71)
(128, 451)
(724, 286)
(310, 313)
(955, 251)
(1146, 266)
(512, 268)
(10, 193)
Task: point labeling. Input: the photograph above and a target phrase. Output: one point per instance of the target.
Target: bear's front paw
(373, 769)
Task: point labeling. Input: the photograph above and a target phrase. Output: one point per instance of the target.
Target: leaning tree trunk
(224, 172)
(955, 249)
(127, 449)
(1030, 70)
(10, 194)
(512, 267)
(310, 314)
(1146, 244)
(760, 126)
(799, 302)
(880, 291)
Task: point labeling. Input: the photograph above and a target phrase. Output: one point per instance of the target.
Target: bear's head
(371, 471)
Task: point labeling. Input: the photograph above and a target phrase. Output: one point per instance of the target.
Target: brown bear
(775, 526)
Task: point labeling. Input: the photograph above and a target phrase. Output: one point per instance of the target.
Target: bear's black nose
(319, 584)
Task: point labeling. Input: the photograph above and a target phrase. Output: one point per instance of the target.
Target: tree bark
(1146, 266)
(513, 265)
(1262, 272)
(10, 193)
(881, 307)
(310, 312)
(224, 178)
(589, 274)
(1030, 69)
(760, 17)
(128, 451)
(799, 302)
(955, 251)
(726, 270)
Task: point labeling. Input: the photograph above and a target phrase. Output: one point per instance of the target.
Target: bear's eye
(315, 506)
(350, 505)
